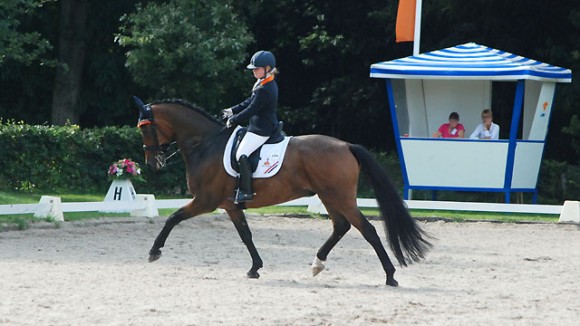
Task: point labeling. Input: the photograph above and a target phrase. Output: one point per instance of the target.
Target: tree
(106, 85)
(190, 49)
(71, 57)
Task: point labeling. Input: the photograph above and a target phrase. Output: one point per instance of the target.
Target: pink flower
(124, 168)
(113, 169)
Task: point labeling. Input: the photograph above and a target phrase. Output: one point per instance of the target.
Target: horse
(313, 164)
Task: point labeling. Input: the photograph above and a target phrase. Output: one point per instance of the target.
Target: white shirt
(481, 133)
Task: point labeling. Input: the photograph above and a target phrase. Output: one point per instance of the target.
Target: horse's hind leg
(190, 210)
(368, 231)
(340, 227)
(239, 220)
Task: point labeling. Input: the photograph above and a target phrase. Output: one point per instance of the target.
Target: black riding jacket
(260, 109)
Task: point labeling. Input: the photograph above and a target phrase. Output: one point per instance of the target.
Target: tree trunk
(71, 55)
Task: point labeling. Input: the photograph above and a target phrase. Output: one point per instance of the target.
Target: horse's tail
(406, 238)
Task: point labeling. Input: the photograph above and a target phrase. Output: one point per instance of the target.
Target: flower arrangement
(125, 169)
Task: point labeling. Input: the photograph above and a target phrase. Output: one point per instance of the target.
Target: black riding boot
(244, 191)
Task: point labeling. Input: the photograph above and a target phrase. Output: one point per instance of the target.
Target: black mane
(190, 105)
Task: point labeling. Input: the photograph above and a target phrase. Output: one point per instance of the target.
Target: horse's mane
(190, 105)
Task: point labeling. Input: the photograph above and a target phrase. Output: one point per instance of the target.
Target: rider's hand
(230, 123)
(227, 113)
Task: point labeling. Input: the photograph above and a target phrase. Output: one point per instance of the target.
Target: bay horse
(313, 164)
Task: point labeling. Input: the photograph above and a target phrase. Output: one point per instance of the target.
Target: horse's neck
(208, 152)
(191, 127)
(194, 139)
(196, 136)
(195, 133)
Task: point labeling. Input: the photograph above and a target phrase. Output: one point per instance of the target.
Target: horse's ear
(140, 104)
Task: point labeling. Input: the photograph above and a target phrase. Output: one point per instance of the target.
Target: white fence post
(52, 208)
(150, 210)
(570, 212)
(316, 206)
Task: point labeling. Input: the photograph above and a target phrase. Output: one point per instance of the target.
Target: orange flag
(405, 28)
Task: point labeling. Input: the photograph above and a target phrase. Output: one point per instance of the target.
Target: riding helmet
(262, 59)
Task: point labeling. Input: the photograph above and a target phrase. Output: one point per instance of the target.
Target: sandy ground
(96, 273)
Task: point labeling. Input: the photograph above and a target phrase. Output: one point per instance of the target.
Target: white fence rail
(148, 206)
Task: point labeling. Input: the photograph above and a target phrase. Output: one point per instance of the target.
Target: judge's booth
(424, 89)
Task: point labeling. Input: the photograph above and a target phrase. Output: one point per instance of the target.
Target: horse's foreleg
(340, 227)
(181, 214)
(239, 220)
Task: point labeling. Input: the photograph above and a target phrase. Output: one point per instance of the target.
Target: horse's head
(156, 141)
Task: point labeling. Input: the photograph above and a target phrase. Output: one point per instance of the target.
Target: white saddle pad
(271, 157)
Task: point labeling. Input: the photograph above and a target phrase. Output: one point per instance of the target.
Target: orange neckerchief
(267, 80)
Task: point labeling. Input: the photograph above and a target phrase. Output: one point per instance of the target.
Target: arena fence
(148, 206)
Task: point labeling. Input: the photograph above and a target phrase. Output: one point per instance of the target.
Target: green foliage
(19, 46)
(187, 49)
(573, 131)
(558, 181)
(67, 158)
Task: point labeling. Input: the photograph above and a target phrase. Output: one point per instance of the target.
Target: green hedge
(69, 159)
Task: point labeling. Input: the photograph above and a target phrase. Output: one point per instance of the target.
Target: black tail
(406, 238)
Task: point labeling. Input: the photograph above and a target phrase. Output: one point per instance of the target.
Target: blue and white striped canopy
(470, 61)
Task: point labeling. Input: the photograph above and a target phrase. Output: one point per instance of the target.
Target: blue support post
(396, 130)
(517, 113)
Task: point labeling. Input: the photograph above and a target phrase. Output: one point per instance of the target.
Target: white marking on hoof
(317, 266)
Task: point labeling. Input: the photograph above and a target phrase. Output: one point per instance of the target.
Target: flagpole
(417, 32)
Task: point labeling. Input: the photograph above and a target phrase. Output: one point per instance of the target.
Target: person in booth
(487, 129)
(452, 129)
(260, 110)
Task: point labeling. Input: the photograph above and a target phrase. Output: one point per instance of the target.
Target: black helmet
(262, 59)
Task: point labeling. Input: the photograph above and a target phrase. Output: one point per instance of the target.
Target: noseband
(161, 149)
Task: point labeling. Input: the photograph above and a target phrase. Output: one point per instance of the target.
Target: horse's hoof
(317, 266)
(154, 255)
(252, 274)
(392, 282)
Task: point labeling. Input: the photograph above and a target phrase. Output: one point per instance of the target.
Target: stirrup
(242, 196)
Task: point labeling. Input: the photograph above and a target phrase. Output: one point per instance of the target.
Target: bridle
(148, 120)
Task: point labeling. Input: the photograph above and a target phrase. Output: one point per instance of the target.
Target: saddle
(254, 158)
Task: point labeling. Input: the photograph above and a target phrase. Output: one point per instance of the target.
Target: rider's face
(259, 72)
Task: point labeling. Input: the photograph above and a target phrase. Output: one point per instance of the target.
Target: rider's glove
(226, 113)
(230, 123)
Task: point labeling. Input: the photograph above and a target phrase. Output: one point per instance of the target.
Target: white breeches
(249, 144)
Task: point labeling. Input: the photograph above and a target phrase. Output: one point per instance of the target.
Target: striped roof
(470, 61)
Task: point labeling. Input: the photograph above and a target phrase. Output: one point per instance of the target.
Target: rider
(260, 110)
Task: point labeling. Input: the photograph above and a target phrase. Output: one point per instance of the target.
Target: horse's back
(324, 161)
(317, 143)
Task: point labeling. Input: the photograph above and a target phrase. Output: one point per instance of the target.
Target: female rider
(260, 110)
